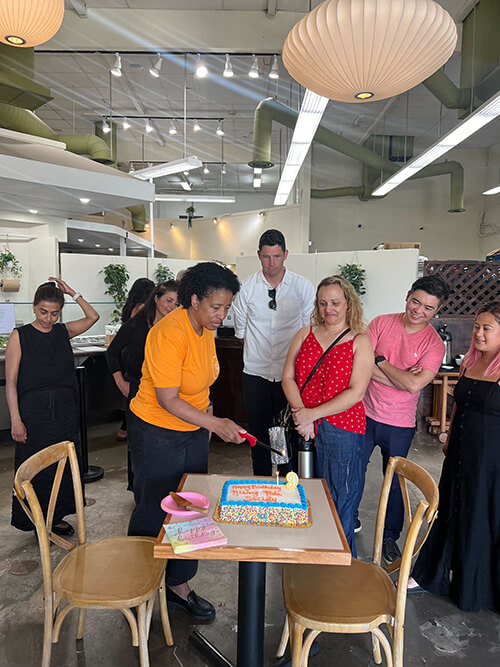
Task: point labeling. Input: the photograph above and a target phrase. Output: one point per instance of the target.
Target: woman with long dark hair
(461, 557)
(41, 393)
(131, 339)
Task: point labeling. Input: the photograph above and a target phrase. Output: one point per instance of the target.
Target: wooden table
(253, 546)
(442, 381)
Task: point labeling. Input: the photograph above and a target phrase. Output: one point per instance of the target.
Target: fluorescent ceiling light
(116, 70)
(125, 124)
(155, 70)
(228, 69)
(33, 211)
(185, 185)
(220, 128)
(201, 69)
(253, 73)
(478, 119)
(172, 129)
(274, 73)
(84, 200)
(81, 240)
(196, 126)
(311, 111)
(166, 168)
(215, 199)
(148, 127)
(493, 191)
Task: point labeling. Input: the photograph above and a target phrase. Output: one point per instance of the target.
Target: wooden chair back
(407, 471)
(60, 454)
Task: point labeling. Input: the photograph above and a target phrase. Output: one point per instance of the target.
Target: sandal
(63, 528)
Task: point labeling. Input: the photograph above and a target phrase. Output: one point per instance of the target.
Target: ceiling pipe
(443, 88)
(454, 169)
(270, 109)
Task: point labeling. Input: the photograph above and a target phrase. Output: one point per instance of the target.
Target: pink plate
(168, 504)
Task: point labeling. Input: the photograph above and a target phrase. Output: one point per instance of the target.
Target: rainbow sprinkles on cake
(263, 503)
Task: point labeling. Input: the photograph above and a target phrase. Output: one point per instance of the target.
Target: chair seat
(320, 595)
(115, 572)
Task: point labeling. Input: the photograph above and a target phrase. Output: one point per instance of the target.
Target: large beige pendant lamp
(28, 23)
(360, 50)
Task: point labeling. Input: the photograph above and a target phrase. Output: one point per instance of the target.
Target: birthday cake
(263, 503)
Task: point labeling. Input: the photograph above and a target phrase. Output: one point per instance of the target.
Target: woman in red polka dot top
(331, 408)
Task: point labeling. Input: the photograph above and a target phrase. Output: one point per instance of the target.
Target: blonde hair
(354, 314)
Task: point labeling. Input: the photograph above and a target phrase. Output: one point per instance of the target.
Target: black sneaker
(357, 526)
(196, 606)
(390, 550)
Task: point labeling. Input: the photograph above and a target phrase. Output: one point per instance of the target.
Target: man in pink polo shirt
(408, 353)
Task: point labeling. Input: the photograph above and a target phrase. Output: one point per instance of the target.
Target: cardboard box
(393, 245)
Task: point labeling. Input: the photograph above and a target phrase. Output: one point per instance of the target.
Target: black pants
(160, 457)
(263, 402)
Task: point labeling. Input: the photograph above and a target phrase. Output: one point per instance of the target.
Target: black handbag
(291, 439)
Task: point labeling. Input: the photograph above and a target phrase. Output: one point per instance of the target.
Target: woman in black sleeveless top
(41, 393)
(461, 557)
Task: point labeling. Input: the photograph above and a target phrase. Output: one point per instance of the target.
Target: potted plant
(356, 275)
(163, 273)
(10, 270)
(116, 277)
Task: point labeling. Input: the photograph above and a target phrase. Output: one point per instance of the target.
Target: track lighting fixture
(131, 169)
(220, 128)
(206, 170)
(228, 69)
(196, 126)
(125, 124)
(116, 70)
(148, 127)
(253, 73)
(105, 127)
(274, 73)
(172, 129)
(201, 69)
(155, 70)
(185, 185)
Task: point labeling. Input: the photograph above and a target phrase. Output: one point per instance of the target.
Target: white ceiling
(83, 91)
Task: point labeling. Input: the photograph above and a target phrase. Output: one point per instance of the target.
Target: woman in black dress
(41, 393)
(461, 557)
(131, 338)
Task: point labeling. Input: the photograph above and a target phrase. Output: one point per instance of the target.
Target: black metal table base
(251, 608)
(89, 473)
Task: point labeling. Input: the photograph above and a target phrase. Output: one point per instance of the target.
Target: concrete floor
(437, 633)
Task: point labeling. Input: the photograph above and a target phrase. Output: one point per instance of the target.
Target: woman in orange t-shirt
(171, 416)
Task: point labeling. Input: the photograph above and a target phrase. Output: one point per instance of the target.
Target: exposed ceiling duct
(18, 90)
(270, 109)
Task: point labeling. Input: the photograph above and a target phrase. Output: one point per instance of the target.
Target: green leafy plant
(190, 210)
(116, 277)
(356, 275)
(163, 273)
(10, 265)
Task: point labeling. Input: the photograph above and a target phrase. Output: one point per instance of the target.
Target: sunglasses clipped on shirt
(272, 295)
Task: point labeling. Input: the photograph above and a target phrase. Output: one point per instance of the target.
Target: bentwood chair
(362, 597)
(114, 573)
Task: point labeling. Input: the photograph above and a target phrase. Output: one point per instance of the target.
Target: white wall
(345, 222)
(234, 235)
(389, 274)
(491, 204)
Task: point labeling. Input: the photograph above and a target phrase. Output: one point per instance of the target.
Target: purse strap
(323, 356)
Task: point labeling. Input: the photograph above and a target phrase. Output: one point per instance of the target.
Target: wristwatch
(379, 359)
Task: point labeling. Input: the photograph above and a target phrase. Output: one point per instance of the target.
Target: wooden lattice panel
(471, 284)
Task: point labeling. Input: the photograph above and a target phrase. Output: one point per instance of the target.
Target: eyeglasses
(272, 295)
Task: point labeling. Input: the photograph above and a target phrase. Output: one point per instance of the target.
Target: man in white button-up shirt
(271, 306)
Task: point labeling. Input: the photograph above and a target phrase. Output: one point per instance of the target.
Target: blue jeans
(393, 441)
(339, 460)
(160, 457)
